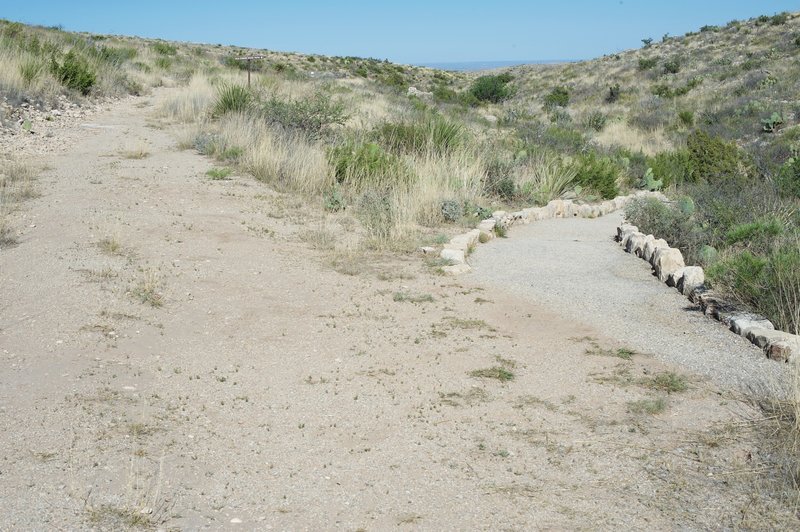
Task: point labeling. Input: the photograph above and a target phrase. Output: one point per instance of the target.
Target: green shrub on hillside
(765, 282)
(164, 48)
(712, 159)
(74, 73)
(365, 165)
(492, 89)
(596, 121)
(671, 167)
(558, 97)
(646, 63)
(430, 133)
(673, 66)
(311, 116)
(599, 174)
(670, 222)
(788, 179)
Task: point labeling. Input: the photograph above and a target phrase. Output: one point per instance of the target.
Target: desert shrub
(596, 121)
(712, 159)
(163, 48)
(754, 235)
(597, 173)
(672, 167)
(670, 222)
(452, 210)
(559, 116)
(559, 138)
(164, 63)
(614, 92)
(74, 73)
(558, 97)
(673, 66)
(651, 114)
(499, 180)
(445, 94)
(491, 88)
(30, 71)
(395, 80)
(311, 116)
(788, 179)
(544, 177)
(686, 117)
(114, 55)
(779, 19)
(377, 215)
(429, 133)
(232, 98)
(646, 63)
(663, 90)
(365, 165)
(768, 283)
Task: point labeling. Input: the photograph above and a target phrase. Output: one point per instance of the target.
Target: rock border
(668, 265)
(460, 246)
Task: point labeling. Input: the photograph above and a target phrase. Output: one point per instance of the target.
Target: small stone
(236, 521)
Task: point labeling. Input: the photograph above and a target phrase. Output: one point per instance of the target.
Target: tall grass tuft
(232, 98)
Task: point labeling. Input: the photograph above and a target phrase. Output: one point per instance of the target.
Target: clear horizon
(413, 32)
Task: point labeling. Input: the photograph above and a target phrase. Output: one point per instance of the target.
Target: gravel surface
(574, 267)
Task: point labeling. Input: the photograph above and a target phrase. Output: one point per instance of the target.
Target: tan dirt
(269, 391)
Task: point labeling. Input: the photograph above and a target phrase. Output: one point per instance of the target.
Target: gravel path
(574, 267)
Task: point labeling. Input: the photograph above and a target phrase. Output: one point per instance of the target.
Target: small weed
(110, 246)
(147, 289)
(412, 298)
(218, 174)
(496, 372)
(623, 352)
(668, 382)
(136, 153)
(648, 406)
(459, 323)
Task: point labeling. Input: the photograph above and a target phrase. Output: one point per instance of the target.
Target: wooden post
(249, 58)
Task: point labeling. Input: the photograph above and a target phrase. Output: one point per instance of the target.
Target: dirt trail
(269, 391)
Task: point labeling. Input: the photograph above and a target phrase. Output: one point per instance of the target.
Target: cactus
(649, 182)
(686, 205)
(771, 124)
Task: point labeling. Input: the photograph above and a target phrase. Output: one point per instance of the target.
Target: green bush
(756, 234)
(558, 97)
(670, 222)
(163, 48)
(646, 63)
(598, 174)
(686, 118)
(672, 167)
(445, 94)
(430, 133)
(673, 66)
(232, 99)
(788, 179)
(614, 92)
(491, 88)
(766, 282)
(74, 73)
(365, 165)
(596, 121)
(712, 159)
(311, 116)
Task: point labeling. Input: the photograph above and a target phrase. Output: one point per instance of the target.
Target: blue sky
(408, 31)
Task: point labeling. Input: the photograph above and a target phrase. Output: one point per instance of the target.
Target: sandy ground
(265, 390)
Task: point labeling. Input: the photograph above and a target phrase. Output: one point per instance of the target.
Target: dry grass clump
(17, 179)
